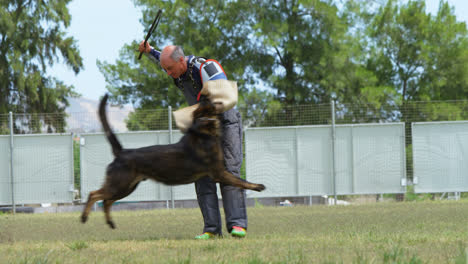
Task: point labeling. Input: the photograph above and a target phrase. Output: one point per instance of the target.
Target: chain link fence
(275, 116)
(297, 115)
(4, 124)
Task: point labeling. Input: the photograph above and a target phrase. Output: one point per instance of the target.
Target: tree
(148, 120)
(372, 61)
(301, 51)
(299, 46)
(210, 28)
(256, 106)
(424, 58)
(401, 35)
(32, 38)
(446, 73)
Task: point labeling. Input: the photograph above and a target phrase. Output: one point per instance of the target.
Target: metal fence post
(72, 185)
(11, 166)
(333, 139)
(170, 142)
(296, 184)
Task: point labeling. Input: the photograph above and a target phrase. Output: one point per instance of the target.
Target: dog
(196, 155)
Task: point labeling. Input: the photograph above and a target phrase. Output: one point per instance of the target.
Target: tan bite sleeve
(223, 93)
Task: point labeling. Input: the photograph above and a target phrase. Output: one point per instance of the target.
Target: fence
(295, 151)
(43, 169)
(299, 161)
(440, 151)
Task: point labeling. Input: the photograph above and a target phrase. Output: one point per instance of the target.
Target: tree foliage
(372, 59)
(423, 57)
(212, 28)
(203, 28)
(299, 46)
(32, 38)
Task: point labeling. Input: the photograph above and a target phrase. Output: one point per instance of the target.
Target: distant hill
(83, 118)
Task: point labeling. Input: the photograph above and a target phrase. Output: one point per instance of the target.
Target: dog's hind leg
(230, 179)
(93, 197)
(107, 207)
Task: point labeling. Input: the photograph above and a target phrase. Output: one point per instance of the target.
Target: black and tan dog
(197, 154)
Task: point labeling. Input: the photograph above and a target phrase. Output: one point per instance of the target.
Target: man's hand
(143, 48)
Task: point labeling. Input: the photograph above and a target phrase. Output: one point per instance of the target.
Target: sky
(102, 27)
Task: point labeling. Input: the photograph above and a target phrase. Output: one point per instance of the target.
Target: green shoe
(238, 231)
(205, 236)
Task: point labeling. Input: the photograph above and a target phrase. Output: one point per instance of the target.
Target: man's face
(173, 68)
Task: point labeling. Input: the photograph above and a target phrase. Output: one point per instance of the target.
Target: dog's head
(205, 118)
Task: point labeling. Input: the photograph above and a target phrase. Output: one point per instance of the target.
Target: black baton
(152, 28)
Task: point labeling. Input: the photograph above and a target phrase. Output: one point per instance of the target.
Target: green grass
(407, 232)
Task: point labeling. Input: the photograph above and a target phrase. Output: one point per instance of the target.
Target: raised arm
(149, 51)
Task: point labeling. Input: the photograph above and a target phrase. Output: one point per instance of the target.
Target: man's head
(173, 61)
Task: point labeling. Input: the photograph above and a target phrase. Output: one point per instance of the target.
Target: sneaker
(205, 236)
(238, 231)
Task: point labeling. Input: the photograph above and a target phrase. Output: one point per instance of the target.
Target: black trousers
(234, 200)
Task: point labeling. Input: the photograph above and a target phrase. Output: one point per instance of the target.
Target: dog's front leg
(230, 179)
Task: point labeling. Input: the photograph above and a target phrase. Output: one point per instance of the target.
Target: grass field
(406, 232)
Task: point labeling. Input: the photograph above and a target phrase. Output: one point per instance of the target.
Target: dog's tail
(116, 147)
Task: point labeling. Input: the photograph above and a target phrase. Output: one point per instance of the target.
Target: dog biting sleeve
(184, 117)
(222, 93)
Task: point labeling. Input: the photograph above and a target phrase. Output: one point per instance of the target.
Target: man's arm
(149, 51)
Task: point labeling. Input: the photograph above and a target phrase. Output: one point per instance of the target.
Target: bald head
(173, 52)
(172, 60)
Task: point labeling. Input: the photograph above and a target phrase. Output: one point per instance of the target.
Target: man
(189, 73)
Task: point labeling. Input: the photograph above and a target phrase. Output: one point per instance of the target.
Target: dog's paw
(259, 188)
(111, 224)
(84, 218)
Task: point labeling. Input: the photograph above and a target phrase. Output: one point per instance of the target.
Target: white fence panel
(376, 158)
(5, 178)
(297, 161)
(440, 156)
(43, 168)
(271, 160)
